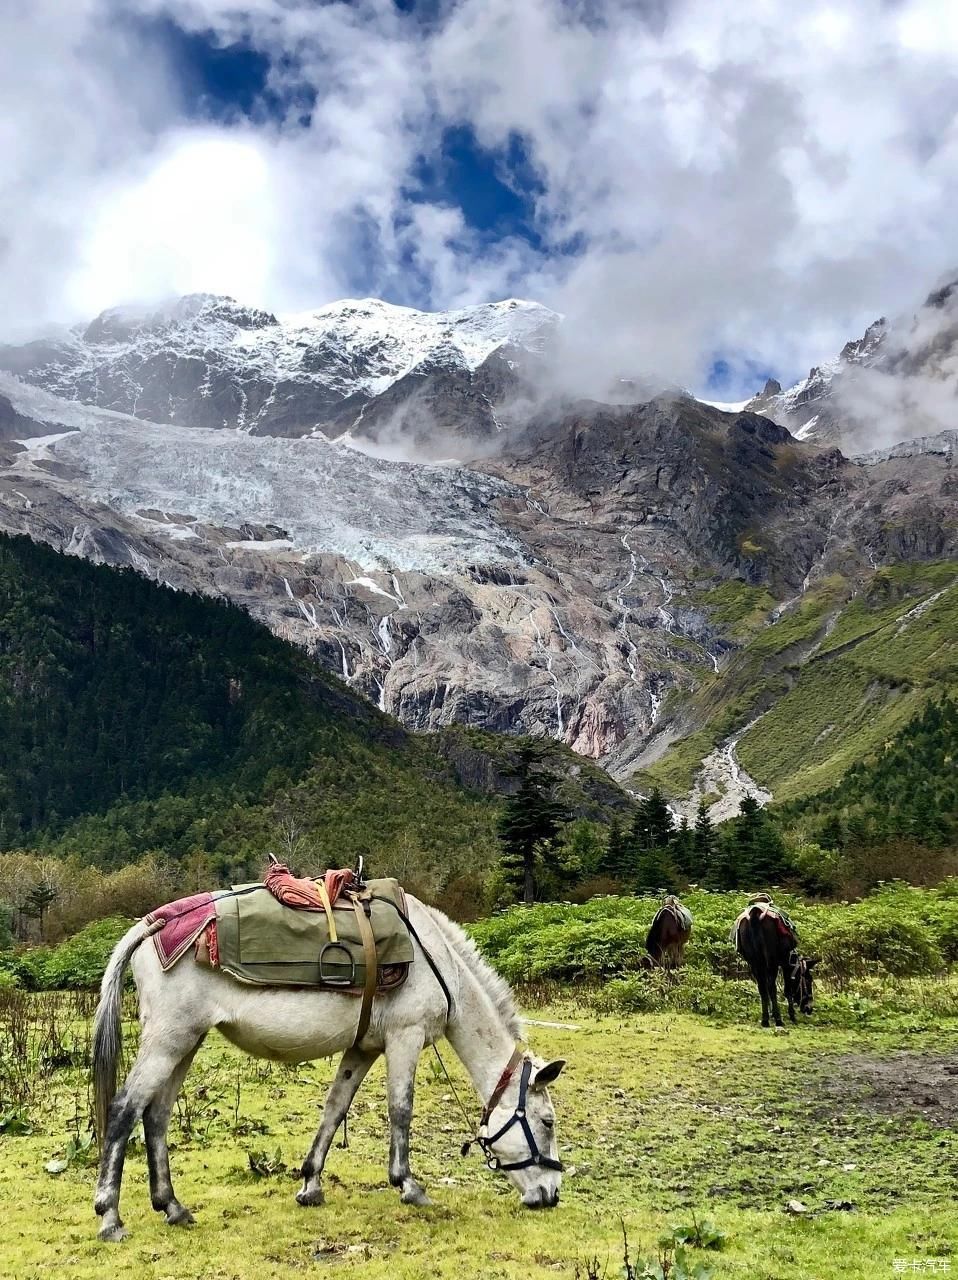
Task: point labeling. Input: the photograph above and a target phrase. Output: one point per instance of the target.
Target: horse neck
(477, 1032)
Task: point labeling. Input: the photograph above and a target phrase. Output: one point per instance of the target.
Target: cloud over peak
(699, 187)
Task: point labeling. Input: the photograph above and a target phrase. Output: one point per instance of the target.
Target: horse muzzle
(541, 1198)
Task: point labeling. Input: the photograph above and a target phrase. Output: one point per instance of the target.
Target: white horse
(476, 1013)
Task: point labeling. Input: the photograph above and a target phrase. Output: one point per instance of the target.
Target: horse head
(800, 972)
(518, 1133)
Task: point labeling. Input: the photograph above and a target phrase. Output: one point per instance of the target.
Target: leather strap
(370, 959)
(328, 908)
(502, 1084)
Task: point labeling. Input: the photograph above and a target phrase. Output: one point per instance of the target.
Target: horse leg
(402, 1055)
(773, 992)
(154, 1065)
(789, 994)
(760, 981)
(353, 1066)
(156, 1122)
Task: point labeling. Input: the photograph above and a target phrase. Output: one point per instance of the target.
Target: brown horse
(668, 934)
(766, 939)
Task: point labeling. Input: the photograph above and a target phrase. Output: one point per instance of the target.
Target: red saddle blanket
(292, 891)
(185, 919)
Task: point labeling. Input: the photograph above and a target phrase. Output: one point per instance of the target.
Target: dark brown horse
(766, 939)
(668, 934)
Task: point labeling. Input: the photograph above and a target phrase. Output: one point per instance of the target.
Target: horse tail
(107, 1023)
(743, 936)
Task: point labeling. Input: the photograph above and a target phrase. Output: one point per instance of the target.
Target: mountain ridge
(560, 580)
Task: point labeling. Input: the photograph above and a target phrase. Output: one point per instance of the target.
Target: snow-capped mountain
(897, 382)
(559, 585)
(209, 362)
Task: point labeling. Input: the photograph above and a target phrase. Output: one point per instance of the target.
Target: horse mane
(495, 986)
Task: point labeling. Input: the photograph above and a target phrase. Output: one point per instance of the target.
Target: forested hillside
(135, 719)
(820, 684)
(140, 723)
(906, 790)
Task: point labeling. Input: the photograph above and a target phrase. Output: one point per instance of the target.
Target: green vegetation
(834, 678)
(530, 821)
(138, 721)
(898, 933)
(906, 790)
(76, 964)
(737, 606)
(670, 1124)
(654, 854)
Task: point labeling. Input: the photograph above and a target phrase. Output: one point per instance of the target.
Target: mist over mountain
(899, 381)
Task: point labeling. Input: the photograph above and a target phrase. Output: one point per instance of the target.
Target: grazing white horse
(476, 1013)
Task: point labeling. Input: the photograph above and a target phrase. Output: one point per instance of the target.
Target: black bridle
(487, 1141)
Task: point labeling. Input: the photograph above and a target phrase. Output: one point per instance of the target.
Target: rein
(519, 1055)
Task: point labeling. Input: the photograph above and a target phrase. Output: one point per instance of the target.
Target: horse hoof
(113, 1235)
(416, 1196)
(310, 1197)
(179, 1217)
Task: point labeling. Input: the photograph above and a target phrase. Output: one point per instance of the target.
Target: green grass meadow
(661, 1116)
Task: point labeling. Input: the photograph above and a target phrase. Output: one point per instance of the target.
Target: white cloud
(757, 182)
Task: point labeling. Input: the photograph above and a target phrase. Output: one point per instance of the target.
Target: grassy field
(662, 1116)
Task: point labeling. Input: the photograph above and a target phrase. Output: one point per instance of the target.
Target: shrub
(898, 930)
(76, 964)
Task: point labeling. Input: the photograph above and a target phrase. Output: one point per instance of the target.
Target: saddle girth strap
(372, 967)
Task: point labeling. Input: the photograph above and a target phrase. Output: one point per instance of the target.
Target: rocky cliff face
(554, 584)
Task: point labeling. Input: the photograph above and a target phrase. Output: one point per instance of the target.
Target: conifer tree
(530, 819)
(683, 849)
(654, 825)
(653, 871)
(703, 843)
(616, 860)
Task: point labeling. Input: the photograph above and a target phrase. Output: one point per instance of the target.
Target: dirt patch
(924, 1084)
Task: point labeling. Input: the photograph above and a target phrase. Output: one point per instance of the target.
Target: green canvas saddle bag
(261, 941)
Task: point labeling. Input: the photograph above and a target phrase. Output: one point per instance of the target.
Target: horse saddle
(765, 908)
(260, 940)
(291, 934)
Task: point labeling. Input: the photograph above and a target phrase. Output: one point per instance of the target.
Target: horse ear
(545, 1075)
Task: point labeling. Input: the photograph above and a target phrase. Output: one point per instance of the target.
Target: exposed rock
(551, 586)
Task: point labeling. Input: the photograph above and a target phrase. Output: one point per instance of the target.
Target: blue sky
(495, 190)
(721, 194)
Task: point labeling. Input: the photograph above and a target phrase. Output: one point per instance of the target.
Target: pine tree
(703, 843)
(683, 849)
(832, 833)
(758, 854)
(530, 819)
(37, 902)
(654, 825)
(722, 869)
(653, 871)
(616, 860)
